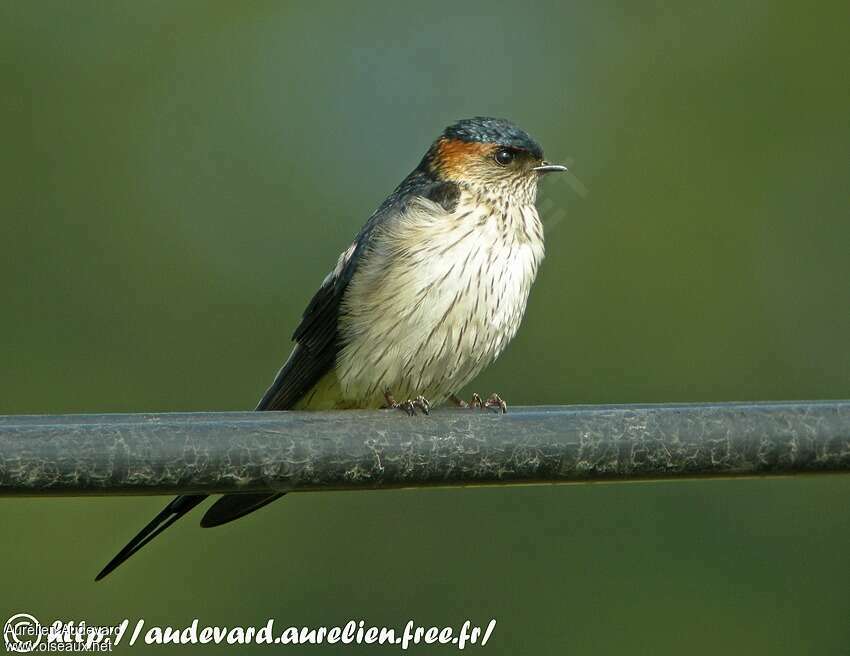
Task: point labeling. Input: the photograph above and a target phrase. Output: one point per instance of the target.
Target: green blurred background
(177, 177)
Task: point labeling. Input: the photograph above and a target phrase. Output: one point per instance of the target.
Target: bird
(429, 293)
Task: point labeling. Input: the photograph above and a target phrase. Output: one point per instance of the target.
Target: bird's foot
(495, 402)
(409, 406)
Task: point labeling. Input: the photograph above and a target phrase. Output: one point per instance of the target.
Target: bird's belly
(431, 321)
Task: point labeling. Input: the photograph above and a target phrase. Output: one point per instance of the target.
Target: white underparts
(436, 298)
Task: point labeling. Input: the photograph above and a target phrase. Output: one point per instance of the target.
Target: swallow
(428, 294)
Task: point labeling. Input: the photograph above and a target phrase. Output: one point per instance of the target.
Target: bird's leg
(476, 401)
(408, 406)
(495, 402)
(423, 404)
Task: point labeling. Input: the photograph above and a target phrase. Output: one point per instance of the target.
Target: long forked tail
(178, 507)
(226, 509)
(234, 506)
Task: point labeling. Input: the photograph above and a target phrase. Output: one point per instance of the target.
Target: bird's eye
(504, 157)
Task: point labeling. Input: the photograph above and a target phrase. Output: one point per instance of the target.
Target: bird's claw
(409, 406)
(423, 404)
(495, 402)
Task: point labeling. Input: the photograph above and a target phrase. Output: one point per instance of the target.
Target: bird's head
(491, 155)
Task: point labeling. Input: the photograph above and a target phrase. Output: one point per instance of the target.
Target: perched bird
(430, 292)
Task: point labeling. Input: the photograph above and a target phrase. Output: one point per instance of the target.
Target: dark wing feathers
(317, 343)
(317, 336)
(316, 349)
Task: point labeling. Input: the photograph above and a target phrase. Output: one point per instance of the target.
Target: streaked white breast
(437, 299)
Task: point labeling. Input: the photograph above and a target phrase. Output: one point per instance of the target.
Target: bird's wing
(317, 344)
(314, 355)
(316, 339)
(317, 336)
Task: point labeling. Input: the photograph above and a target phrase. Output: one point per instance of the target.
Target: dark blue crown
(493, 130)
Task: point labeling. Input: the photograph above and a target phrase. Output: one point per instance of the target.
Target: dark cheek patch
(445, 194)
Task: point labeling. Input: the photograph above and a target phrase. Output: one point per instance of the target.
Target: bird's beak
(546, 167)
